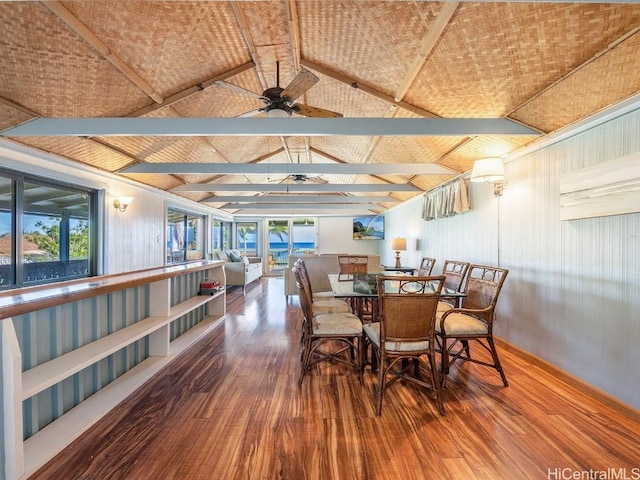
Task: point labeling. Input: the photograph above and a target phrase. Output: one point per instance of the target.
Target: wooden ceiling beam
(241, 20)
(429, 41)
(102, 48)
(194, 89)
(367, 89)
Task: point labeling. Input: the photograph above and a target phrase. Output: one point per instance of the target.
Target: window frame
(171, 257)
(56, 271)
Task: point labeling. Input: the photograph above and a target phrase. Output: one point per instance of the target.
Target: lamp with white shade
(489, 170)
(398, 244)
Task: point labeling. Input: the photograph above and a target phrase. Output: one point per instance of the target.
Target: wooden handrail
(30, 299)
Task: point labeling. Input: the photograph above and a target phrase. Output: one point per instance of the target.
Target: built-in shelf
(24, 457)
(39, 378)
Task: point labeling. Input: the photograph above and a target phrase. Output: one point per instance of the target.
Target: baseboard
(595, 393)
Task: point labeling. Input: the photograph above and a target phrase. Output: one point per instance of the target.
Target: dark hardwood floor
(230, 408)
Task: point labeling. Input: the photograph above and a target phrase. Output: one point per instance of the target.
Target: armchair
(474, 321)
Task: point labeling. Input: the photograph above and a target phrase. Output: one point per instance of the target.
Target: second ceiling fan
(279, 102)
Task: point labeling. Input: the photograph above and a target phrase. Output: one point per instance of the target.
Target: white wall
(572, 296)
(335, 235)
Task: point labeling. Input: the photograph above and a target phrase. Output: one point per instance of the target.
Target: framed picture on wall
(369, 227)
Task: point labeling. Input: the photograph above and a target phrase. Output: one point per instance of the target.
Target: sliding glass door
(286, 236)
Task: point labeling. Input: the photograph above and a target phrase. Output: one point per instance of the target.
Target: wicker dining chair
(455, 273)
(405, 333)
(324, 302)
(353, 263)
(426, 266)
(330, 336)
(473, 321)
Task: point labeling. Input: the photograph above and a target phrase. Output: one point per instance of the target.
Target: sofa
(239, 270)
(318, 267)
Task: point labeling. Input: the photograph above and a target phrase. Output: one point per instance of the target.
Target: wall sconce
(398, 244)
(121, 203)
(489, 170)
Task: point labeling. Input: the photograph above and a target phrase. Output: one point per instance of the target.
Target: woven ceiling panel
(172, 45)
(161, 181)
(167, 149)
(373, 42)
(508, 52)
(588, 90)
(462, 158)
(247, 150)
(60, 74)
(88, 151)
(218, 101)
(339, 97)
(347, 149)
(412, 149)
(427, 182)
(10, 117)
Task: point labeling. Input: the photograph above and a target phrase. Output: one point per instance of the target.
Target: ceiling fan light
(276, 112)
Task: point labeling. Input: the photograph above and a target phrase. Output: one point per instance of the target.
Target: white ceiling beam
(180, 127)
(303, 206)
(288, 168)
(287, 187)
(306, 212)
(294, 199)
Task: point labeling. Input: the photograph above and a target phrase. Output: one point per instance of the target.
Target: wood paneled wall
(571, 298)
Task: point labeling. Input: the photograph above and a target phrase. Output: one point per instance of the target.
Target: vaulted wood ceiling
(542, 65)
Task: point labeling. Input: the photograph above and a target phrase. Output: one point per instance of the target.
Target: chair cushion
(372, 330)
(323, 295)
(461, 324)
(330, 305)
(337, 324)
(443, 307)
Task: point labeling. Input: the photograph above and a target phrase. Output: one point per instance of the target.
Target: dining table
(362, 290)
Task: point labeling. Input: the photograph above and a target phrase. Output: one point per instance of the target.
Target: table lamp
(398, 244)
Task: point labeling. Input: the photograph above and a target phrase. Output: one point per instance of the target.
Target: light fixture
(398, 244)
(277, 111)
(489, 170)
(121, 203)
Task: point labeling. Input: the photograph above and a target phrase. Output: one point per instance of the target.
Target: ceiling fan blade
(251, 113)
(300, 84)
(309, 111)
(319, 180)
(244, 91)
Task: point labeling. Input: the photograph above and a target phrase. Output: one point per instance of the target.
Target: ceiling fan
(300, 178)
(279, 102)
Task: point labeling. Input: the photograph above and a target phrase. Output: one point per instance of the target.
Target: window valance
(446, 200)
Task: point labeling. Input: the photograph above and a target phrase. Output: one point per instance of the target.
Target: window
(57, 239)
(247, 235)
(185, 236)
(221, 235)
